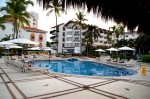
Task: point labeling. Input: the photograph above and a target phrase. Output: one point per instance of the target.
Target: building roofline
(57, 25)
(34, 29)
(70, 22)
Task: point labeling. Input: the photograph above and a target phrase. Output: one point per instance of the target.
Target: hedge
(146, 58)
(123, 57)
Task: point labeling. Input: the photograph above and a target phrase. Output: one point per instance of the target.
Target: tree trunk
(80, 41)
(56, 31)
(14, 30)
(17, 27)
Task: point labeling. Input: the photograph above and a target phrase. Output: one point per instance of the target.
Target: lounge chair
(27, 67)
(130, 63)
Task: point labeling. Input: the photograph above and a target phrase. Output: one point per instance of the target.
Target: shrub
(123, 57)
(146, 58)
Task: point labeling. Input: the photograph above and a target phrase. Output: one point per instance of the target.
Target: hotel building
(31, 33)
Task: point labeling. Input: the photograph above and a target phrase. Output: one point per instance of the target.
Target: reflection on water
(82, 68)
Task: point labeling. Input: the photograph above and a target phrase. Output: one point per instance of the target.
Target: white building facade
(33, 19)
(31, 33)
(69, 38)
(126, 35)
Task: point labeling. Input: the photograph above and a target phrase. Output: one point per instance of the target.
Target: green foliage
(6, 38)
(58, 54)
(16, 11)
(146, 58)
(123, 57)
(48, 44)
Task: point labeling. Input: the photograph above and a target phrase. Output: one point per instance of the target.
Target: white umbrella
(15, 46)
(5, 43)
(112, 49)
(100, 50)
(34, 48)
(23, 41)
(125, 48)
(47, 49)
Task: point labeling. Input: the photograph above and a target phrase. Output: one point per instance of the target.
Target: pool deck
(15, 84)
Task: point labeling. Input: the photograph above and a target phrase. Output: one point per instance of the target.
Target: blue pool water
(74, 66)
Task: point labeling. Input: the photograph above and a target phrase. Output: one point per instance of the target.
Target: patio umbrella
(100, 50)
(125, 48)
(34, 48)
(112, 49)
(47, 49)
(4, 43)
(23, 41)
(14, 46)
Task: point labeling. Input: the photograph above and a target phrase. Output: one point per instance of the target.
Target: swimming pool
(74, 66)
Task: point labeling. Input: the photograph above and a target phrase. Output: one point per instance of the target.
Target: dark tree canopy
(131, 13)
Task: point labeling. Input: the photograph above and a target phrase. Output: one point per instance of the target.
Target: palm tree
(2, 20)
(79, 21)
(6, 38)
(16, 10)
(117, 30)
(56, 7)
(90, 35)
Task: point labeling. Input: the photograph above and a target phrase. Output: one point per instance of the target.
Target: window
(101, 36)
(69, 33)
(68, 44)
(105, 37)
(101, 41)
(69, 27)
(64, 28)
(63, 33)
(33, 23)
(126, 35)
(105, 42)
(76, 39)
(76, 44)
(40, 37)
(76, 33)
(33, 19)
(63, 45)
(69, 38)
(32, 36)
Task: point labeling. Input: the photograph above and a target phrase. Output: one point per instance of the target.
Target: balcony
(76, 34)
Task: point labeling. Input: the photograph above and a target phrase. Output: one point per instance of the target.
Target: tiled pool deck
(15, 84)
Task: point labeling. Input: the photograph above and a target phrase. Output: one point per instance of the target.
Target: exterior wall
(102, 40)
(127, 35)
(7, 31)
(22, 33)
(60, 37)
(26, 34)
(34, 19)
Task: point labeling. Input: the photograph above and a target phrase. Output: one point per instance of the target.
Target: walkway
(18, 85)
